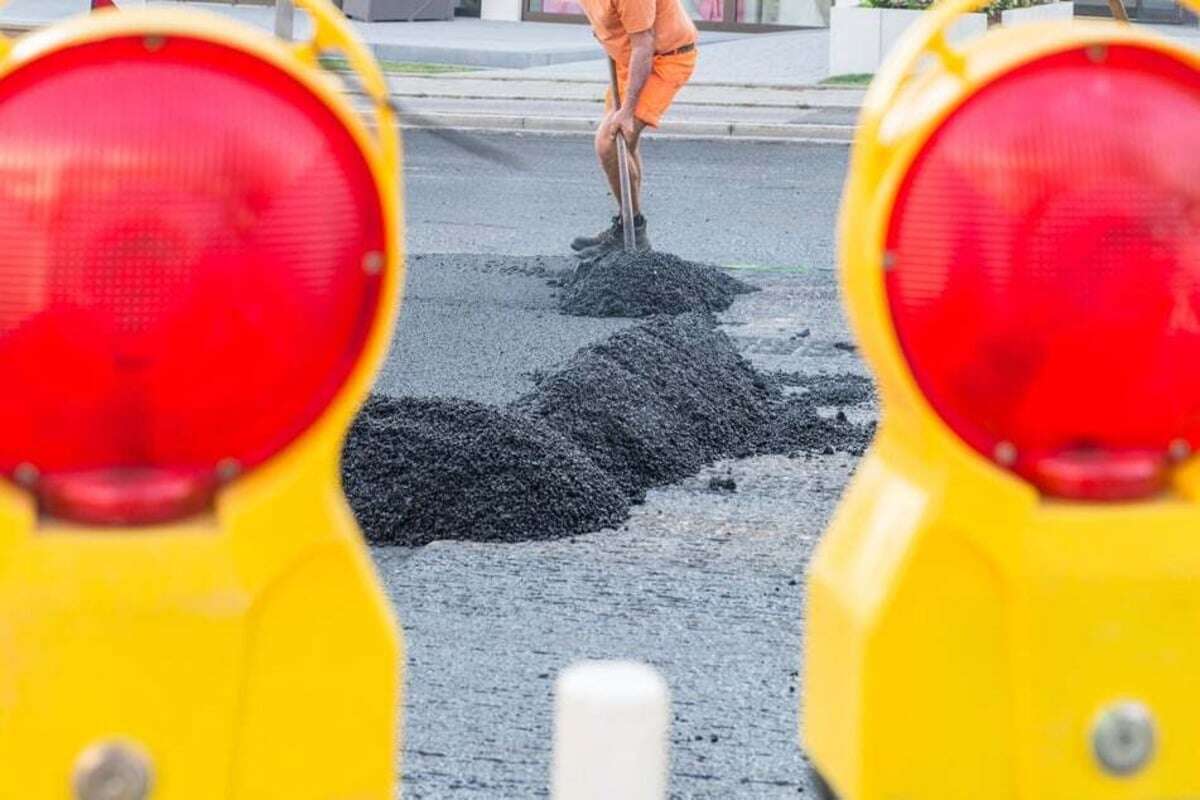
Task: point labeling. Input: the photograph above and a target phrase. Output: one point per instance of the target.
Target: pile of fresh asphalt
(420, 470)
(654, 403)
(626, 284)
(648, 406)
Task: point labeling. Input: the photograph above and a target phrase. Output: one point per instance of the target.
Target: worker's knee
(606, 148)
(638, 128)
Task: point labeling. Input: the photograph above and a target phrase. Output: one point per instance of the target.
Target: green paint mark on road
(789, 269)
(339, 64)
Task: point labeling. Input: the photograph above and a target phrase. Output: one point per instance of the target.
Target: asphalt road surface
(706, 586)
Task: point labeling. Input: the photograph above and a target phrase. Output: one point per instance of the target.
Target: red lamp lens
(1044, 270)
(189, 243)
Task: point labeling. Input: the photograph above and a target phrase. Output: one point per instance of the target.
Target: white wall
(506, 10)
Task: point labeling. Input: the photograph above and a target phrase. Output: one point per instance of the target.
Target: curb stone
(827, 134)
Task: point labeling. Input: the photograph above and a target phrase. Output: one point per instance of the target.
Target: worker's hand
(622, 121)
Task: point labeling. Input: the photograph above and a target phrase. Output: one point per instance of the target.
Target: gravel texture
(421, 470)
(828, 390)
(623, 284)
(648, 406)
(705, 585)
(654, 403)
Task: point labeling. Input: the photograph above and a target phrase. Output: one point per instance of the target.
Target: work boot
(584, 242)
(614, 239)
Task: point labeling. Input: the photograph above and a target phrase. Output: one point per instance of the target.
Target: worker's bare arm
(641, 63)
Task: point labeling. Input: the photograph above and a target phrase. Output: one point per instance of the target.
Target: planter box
(1047, 11)
(860, 38)
(398, 10)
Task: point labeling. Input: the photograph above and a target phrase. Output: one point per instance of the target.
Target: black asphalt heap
(654, 403)
(623, 284)
(421, 470)
(648, 406)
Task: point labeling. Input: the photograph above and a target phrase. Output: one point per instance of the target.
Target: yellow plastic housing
(251, 653)
(963, 632)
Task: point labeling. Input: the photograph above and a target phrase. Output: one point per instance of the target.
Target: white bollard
(611, 720)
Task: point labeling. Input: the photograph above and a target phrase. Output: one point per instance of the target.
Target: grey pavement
(472, 87)
(745, 86)
(761, 87)
(1188, 34)
(707, 587)
(749, 87)
(764, 86)
(762, 207)
(703, 110)
(834, 127)
(478, 330)
(788, 58)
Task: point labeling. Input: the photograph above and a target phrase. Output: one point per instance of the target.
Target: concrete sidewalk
(761, 86)
(702, 109)
(547, 77)
(786, 58)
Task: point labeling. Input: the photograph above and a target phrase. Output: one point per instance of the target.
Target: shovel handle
(623, 165)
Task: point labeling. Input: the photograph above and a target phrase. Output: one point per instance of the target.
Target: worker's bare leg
(606, 150)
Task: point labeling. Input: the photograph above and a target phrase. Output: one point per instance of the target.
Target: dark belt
(678, 51)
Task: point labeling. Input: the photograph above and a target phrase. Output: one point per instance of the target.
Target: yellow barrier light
(1005, 603)
(200, 264)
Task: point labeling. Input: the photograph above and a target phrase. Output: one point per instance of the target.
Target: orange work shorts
(667, 76)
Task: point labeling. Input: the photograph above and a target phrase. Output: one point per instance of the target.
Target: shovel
(623, 166)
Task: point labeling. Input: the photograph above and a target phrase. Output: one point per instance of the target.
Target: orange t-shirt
(614, 20)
